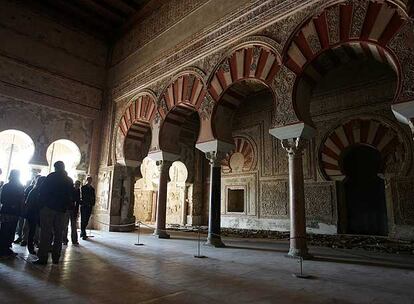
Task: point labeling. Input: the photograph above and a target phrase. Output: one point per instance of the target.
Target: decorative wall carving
(153, 25)
(211, 40)
(403, 47)
(321, 202)
(242, 158)
(403, 198)
(274, 199)
(103, 189)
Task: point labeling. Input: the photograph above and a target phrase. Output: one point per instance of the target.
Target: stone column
(214, 215)
(185, 205)
(298, 246)
(163, 167)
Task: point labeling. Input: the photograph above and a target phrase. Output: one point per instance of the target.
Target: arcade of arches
(295, 117)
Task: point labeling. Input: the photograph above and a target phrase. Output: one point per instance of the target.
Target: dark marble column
(298, 246)
(214, 215)
(163, 167)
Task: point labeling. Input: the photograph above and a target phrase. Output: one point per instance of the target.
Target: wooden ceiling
(103, 18)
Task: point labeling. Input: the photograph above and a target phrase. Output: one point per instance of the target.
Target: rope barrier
(138, 243)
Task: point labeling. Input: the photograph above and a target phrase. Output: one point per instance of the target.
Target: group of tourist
(40, 214)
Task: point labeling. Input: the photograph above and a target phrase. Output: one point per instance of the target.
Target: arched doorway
(145, 192)
(177, 199)
(16, 150)
(366, 211)
(66, 151)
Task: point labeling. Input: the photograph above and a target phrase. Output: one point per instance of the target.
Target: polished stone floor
(108, 268)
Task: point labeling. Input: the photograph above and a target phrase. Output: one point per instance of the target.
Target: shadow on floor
(348, 260)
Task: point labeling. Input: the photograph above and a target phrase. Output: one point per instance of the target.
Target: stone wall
(45, 125)
(52, 79)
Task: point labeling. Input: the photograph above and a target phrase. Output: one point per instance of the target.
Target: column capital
(215, 157)
(294, 146)
(163, 165)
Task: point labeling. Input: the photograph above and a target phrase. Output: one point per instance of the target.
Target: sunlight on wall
(66, 151)
(16, 150)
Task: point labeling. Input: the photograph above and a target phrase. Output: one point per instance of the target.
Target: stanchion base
(302, 276)
(138, 244)
(200, 256)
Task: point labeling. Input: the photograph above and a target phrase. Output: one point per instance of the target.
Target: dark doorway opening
(366, 211)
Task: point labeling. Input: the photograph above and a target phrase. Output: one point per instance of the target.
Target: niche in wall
(235, 200)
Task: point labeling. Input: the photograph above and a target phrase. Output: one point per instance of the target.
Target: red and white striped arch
(366, 26)
(245, 148)
(370, 132)
(250, 62)
(136, 119)
(187, 90)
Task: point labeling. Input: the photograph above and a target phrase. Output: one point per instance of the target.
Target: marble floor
(109, 268)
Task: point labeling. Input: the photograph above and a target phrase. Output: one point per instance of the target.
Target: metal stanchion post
(139, 232)
(301, 275)
(198, 255)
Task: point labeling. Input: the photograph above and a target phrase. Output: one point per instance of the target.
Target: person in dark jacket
(11, 199)
(55, 195)
(22, 227)
(24, 233)
(87, 203)
(32, 207)
(72, 216)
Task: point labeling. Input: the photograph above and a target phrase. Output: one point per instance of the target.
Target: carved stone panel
(103, 189)
(403, 200)
(321, 202)
(274, 199)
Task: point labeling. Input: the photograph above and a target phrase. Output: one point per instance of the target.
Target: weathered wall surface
(45, 126)
(52, 79)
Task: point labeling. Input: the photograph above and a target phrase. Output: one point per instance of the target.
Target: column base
(161, 234)
(299, 253)
(215, 241)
